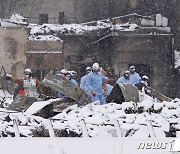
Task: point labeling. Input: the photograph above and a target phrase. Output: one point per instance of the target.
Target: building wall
(16, 53)
(86, 10)
(76, 11)
(80, 52)
(32, 9)
(151, 54)
(12, 50)
(43, 56)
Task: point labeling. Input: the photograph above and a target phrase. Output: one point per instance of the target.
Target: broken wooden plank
(157, 94)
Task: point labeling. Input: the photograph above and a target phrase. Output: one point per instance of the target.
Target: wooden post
(150, 128)
(84, 128)
(16, 130)
(50, 128)
(118, 128)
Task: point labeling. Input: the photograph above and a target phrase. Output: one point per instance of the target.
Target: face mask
(145, 83)
(126, 75)
(27, 76)
(87, 72)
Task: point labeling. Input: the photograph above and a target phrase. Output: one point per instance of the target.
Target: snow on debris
(17, 17)
(37, 32)
(15, 20)
(63, 29)
(99, 120)
(55, 29)
(51, 32)
(43, 38)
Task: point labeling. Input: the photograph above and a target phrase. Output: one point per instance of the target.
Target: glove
(93, 93)
(8, 77)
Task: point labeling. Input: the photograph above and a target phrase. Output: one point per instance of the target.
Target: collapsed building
(144, 41)
(43, 50)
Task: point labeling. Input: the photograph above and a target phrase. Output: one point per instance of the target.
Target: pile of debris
(125, 115)
(149, 118)
(131, 22)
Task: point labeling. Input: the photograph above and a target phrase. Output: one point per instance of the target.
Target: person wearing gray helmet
(134, 76)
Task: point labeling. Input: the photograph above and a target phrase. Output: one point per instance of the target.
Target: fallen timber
(157, 95)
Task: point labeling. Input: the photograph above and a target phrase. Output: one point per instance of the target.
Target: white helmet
(132, 67)
(145, 77)
(127, 72)
(64, 71)
(28, 71)
(72, 72)
(88, 68)
(95, 67)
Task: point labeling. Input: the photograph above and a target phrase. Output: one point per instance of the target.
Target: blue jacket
(123, 80)
(134, 78)
(94, 82)
(73, 81)
(83, 84)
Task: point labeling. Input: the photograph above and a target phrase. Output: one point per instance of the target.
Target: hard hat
(88, 68)
(145, 77)
(27, 71)
(132, 67)
(72, 72)
(95, 67)
(64, 71)
(127, 72)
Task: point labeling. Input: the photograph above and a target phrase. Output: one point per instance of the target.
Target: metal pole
(16, 130)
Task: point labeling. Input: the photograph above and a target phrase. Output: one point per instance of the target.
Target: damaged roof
(133, 23)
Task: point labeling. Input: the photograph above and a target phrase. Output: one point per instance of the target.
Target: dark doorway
(61, 18)
(43, 18)
(40, 74)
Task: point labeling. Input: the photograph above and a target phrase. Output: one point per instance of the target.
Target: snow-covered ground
(111, 120)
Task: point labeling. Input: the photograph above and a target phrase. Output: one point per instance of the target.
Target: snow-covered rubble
(79, 29)
(134, 120)
(52, 32)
